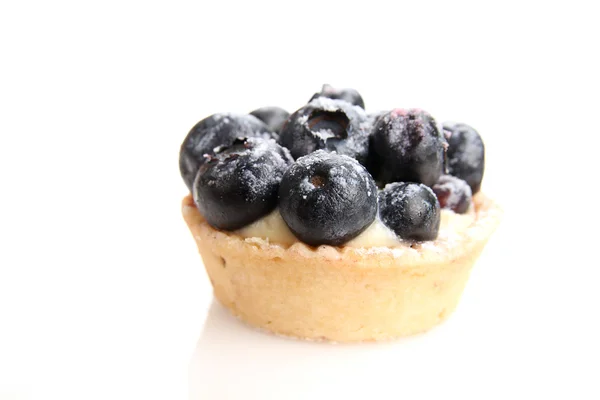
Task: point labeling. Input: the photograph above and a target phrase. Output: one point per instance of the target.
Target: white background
(102, 294)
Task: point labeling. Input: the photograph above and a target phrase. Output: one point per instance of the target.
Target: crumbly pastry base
(341, 294)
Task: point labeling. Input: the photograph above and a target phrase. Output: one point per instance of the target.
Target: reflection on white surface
(234, 361)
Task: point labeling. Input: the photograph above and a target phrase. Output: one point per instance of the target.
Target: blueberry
(453, 193)
(239, 184)
(349, 95)
(411, 210)
(327, 198)
(407, 146)
(327, 124)
(466, 154)
(212, 132)
(273, 117)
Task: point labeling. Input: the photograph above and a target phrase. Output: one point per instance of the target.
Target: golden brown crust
(340, 294)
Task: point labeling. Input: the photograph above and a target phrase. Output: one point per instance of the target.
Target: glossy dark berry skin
(407, 146)
(333, 125)
(466, 154)
(326, 198)
(453, 193)
(349, 95)
(273, 117)
(411, 210)
(240, 183)
(212, 132)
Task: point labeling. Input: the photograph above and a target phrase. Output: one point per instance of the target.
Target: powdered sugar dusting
(258, 163)
(324, 134)
(326, 104)
(346, 129)
(302, 119)
(257, 177)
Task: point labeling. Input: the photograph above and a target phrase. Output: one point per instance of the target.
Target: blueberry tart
(301, 237)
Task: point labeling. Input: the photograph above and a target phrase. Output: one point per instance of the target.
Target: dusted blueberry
(466, 154)
(453, 193)
(327, 124)
(407, 146)
(349, 95)
(239, 184)
(327, 198)
(273, 117)
(411, 210)
(212, 132)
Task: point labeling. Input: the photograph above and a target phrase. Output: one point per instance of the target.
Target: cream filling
(274, 228)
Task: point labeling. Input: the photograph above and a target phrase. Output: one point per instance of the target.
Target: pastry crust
(341, 294)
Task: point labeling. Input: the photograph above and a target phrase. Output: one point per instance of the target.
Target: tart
(313, 248)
